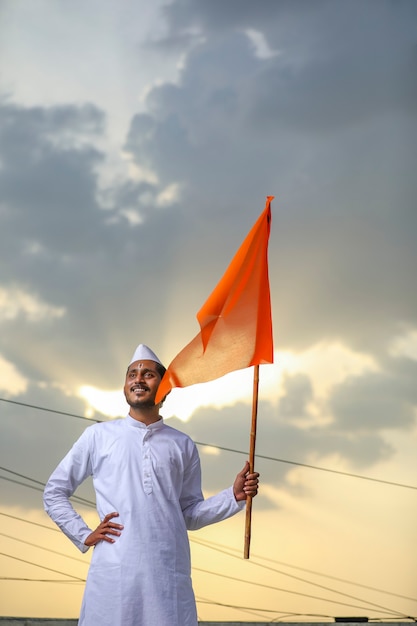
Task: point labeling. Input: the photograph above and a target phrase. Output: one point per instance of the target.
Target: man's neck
(146, 416)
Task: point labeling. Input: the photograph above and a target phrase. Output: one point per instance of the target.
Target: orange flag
(235, 321)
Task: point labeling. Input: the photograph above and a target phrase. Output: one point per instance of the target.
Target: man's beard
(141, 404)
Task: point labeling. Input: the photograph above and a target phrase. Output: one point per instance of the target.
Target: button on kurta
(146, 463)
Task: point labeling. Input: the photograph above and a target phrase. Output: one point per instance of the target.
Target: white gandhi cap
(143, 353)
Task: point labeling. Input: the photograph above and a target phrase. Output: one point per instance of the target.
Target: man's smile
(139, 387)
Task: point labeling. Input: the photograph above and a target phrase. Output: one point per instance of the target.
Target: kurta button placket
(146, 463)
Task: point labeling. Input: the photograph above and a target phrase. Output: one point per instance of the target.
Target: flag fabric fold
(235, 321)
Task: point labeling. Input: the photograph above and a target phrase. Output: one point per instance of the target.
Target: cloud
(76, 255)
(47, 176)
(213, 16)
(298, 393)
(320, 113)
(11, 382)
(377, 401)
(337, 247)
(124, 194)
(282, 438)
(15, 302)
(404, 345)
(33, 442)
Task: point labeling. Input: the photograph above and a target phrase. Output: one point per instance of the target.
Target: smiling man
(142, 382)
(147, 479)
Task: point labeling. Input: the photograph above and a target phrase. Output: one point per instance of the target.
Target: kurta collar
(136, 424)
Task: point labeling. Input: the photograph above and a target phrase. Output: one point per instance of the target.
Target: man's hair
(160, 369)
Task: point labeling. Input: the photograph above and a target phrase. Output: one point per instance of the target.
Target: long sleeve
(69, 474)
(199, 512)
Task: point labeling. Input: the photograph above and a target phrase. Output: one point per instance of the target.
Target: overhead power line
(50, 569)
(314, 584)
(40, 580)
(28, 521)
(43, 408)
(315, 467)
(226, 449)
(214, 545)
(228, 551)
(39, 486)
(36, 545)
(287, 613)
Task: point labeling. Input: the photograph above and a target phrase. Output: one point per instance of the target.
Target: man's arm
(65, 479)
(199, 512)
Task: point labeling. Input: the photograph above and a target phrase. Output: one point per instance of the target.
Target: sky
(138, 142)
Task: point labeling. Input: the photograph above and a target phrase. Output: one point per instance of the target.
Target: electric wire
(35, 545)
(89, 503)
(35, 488)
(41, 580)
(227, 449)
(247, 610)
(22, 519)
(277, 571)
(314, 584)
(194, 568)
(216, 548)
(299, 593)
(236, 606)
(307, 465)
(78, 579)
(42, 408)
(85, 501)
(49, 569)
(303, 569)
(41, 484)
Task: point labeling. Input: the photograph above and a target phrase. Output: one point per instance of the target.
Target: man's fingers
(105, 530)
(107, 524)
(110, 516)
(106, 538)
(111, 530)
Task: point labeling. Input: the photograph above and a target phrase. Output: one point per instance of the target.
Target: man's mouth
(139, 388)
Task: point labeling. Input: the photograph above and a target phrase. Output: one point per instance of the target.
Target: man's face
(142, 382)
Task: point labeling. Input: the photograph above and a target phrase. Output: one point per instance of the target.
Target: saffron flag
(235, 321)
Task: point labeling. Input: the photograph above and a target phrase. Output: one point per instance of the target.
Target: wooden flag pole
(248, 520)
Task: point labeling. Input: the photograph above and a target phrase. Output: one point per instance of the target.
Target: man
(147, 479)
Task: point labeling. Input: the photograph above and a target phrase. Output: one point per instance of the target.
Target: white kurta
(151, 476)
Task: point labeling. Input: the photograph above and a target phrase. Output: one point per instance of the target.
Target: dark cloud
(298, 392)
(67, 251)
(327, 124)
(217, 15)
(377, 401)
(47, 181)
(346, 74)
(342, 256)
